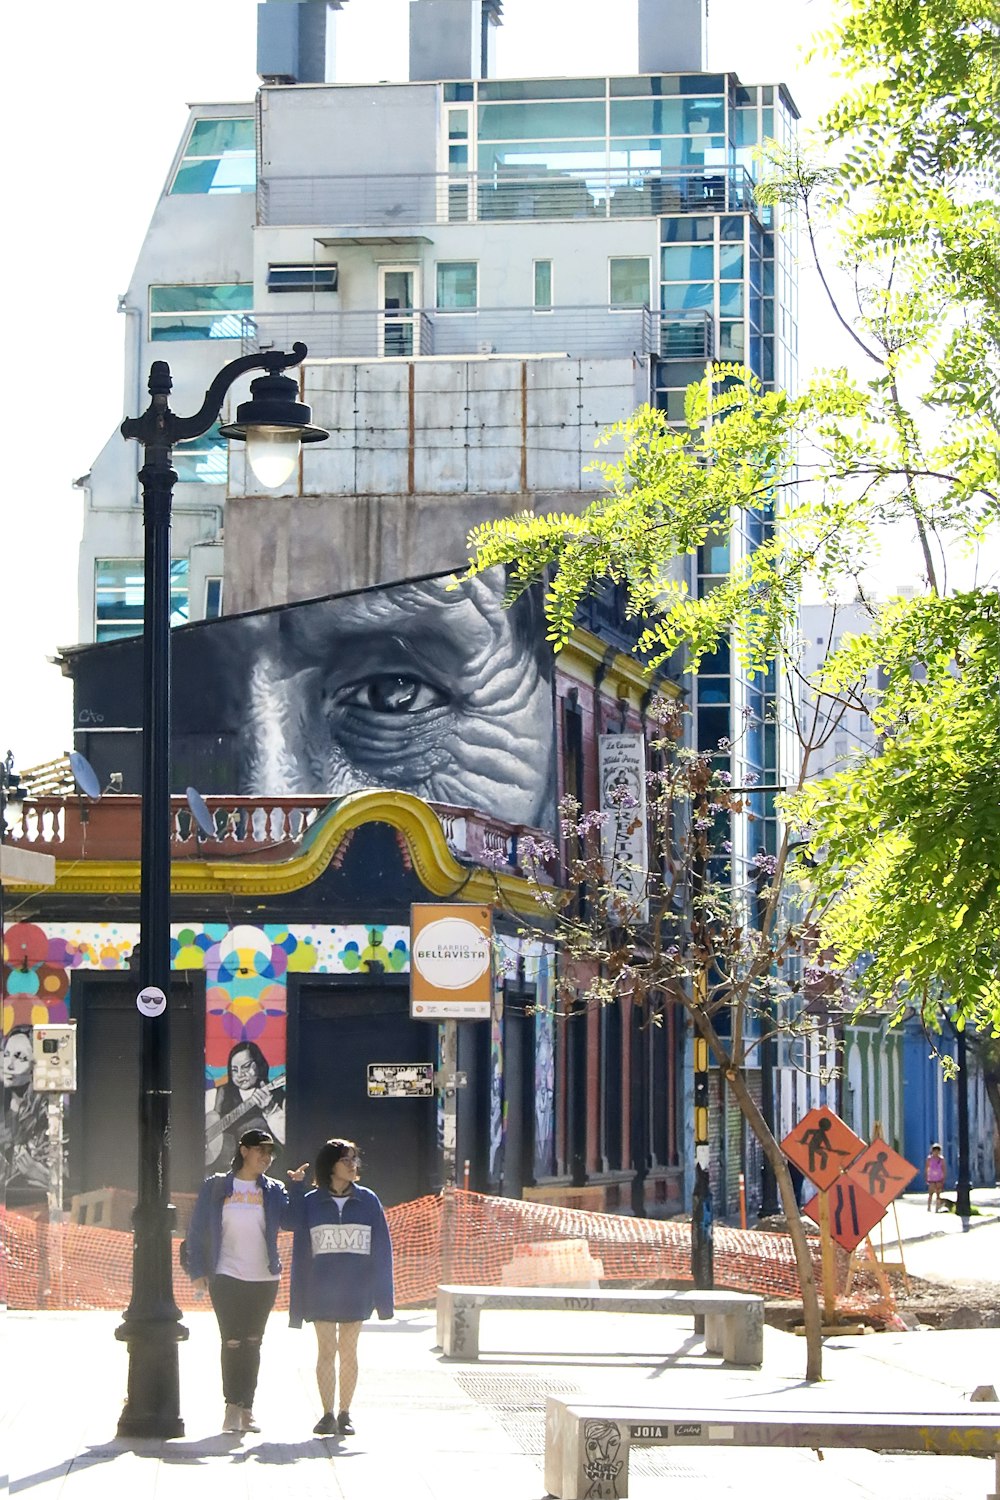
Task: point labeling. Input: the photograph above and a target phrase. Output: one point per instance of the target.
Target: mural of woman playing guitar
(248, 1100)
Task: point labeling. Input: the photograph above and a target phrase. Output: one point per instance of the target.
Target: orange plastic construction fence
(461, 1237)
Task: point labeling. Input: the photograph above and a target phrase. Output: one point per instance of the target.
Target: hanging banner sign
(624, 839)
(451, 962)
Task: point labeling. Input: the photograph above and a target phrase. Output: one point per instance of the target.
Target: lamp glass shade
(273, 453)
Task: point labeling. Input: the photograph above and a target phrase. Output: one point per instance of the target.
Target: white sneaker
(250, 1423)
(233, 1420)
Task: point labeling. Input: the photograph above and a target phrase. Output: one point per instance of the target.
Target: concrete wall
(348, 130)
(409, 470)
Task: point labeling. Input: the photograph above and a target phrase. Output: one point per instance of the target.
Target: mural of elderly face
(439, 692)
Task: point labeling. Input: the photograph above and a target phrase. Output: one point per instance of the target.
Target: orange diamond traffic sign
(821, 1146)
(853, 1212)
(881, 1172)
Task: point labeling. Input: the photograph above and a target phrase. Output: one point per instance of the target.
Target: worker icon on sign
(878, 1175)
(817, 1142)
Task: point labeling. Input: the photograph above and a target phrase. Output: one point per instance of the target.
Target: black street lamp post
(273, 422)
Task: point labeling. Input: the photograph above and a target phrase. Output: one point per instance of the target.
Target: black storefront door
(103, 1116)
(334, 1032)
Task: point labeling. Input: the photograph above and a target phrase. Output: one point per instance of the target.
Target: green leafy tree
(898, 200)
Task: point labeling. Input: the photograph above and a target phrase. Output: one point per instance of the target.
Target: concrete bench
(587, 1447)
(734, 1321)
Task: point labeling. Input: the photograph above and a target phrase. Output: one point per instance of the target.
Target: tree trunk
(993, 1095)
(803, 1259)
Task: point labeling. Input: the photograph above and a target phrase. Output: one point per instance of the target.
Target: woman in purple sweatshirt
(341, 1273)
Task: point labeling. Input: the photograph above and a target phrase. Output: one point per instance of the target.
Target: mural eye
(391, 693)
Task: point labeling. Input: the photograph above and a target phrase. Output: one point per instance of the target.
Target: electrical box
(54, 1070)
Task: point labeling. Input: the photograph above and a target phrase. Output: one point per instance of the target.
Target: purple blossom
(542, 850)
(751, 778)
(764, 864)
(727, 847)
(494, 859)
(620, 796)
(724, 777)
(725, 743)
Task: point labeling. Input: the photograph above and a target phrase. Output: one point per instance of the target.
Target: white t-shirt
(243, 1252)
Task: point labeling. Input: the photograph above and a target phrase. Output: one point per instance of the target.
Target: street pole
(152, 1325)
(702, 1270)
(274, 423)
(963, 1196)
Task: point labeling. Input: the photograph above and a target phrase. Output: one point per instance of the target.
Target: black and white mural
(419, 686)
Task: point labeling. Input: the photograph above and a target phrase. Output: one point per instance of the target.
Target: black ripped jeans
(242, 1308)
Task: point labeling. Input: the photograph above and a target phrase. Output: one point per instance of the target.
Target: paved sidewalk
(446, 1431)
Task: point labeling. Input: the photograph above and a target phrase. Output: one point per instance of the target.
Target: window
(457, 285)
(204, 460)
(304, 278)
(629, 281)
(118, 596)
(220, 157)
(198, 312)
(542, 297)
(213, 598)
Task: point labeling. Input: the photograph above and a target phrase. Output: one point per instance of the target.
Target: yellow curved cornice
(584, 653)
(435, 865)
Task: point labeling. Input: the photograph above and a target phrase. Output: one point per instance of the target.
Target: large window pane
(684, 230)
(541, 88)
(677, 116)
(675, 294)
(532, 122)
(220, 158)
(213, 137)
(686, 262)
(199, 312)
(119, 596)
(731, 299)
(731, 263)
(629, 281)
(205, 460)
(457, 285)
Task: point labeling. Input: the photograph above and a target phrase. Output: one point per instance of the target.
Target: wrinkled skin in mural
(436, 691)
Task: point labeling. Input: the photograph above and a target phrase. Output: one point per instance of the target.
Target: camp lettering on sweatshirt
(341, 1258)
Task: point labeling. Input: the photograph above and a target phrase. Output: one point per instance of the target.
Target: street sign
(881, 1172)
(853, 1212)
(821, 1146)
(400, 1080)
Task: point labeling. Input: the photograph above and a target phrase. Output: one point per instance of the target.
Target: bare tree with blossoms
(729, 942)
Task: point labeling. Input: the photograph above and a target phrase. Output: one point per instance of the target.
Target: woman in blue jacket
(341, 1272)
(232, 1252)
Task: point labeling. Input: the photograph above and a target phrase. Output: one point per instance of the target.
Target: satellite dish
(200, 812)
(84, 775)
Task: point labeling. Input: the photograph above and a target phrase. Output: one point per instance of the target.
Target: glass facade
(119, 592)
(220, 157)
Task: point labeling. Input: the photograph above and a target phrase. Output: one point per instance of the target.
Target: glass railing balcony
(580, 332)
(389, 203)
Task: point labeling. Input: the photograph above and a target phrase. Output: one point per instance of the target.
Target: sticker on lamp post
(151, 1001)
(451, 962)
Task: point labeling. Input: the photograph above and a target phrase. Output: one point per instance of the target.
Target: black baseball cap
(258, 1138)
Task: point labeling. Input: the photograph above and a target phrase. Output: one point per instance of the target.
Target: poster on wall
(624, 841)
(451, 962)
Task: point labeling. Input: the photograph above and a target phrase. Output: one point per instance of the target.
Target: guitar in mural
(219, 1142)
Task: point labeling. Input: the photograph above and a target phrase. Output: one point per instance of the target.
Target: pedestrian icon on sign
(817, 1142)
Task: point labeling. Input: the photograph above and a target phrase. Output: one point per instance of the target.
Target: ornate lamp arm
(159, 427)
